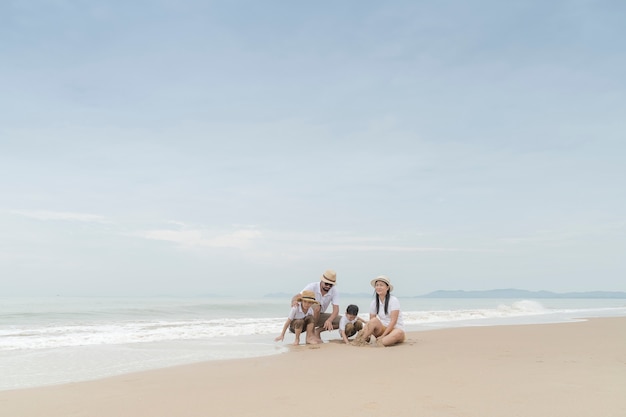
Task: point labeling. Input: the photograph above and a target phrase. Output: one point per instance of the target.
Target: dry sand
(551, 370)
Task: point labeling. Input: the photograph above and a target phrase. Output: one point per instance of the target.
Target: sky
(241, 148)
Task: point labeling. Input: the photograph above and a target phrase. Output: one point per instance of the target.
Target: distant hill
(514, 293)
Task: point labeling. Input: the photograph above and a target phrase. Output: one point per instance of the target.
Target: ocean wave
(33, 335)
(54, 336)
(516, 309)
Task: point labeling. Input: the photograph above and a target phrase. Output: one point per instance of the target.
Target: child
(350, 323)
(301, 317)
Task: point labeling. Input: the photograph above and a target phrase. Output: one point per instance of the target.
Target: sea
(56, 340)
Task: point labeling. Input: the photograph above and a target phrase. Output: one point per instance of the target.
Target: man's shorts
(323, 317)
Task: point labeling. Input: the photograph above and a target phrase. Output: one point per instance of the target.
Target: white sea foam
(102, 330)
(87, 334)
(516, 309)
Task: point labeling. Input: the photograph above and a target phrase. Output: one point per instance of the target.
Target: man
(326, 294)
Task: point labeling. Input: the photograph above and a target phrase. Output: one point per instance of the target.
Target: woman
(385, 323)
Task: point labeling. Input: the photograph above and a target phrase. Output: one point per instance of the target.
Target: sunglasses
(326, 284)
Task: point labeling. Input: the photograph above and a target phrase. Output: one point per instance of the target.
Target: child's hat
(308, 296)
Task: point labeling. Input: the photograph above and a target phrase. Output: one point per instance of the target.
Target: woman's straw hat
(382, 278)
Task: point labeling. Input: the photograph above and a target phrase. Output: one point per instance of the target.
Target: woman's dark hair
(386, 301)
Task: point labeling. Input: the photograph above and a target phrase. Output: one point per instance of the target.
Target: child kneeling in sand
(301, 318)
(350, 323)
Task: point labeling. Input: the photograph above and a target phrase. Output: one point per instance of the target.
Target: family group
(308, 314)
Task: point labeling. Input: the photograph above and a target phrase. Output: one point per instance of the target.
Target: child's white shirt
(297, 312)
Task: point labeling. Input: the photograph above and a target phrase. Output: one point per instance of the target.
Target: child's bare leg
(298, 325)
(311, 334)
(297, 332)
(317, 334)
(311, 337)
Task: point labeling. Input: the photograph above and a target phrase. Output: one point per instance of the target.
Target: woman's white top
(385, 319)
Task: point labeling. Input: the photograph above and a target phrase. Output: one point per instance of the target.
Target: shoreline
(120, 336)
(569, 369)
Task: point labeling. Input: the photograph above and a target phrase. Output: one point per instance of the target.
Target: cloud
(239, 239)
(397, 248)
(345, 242)
(290, 245)
(61, 215)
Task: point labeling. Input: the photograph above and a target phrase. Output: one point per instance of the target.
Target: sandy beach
(573, 369)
